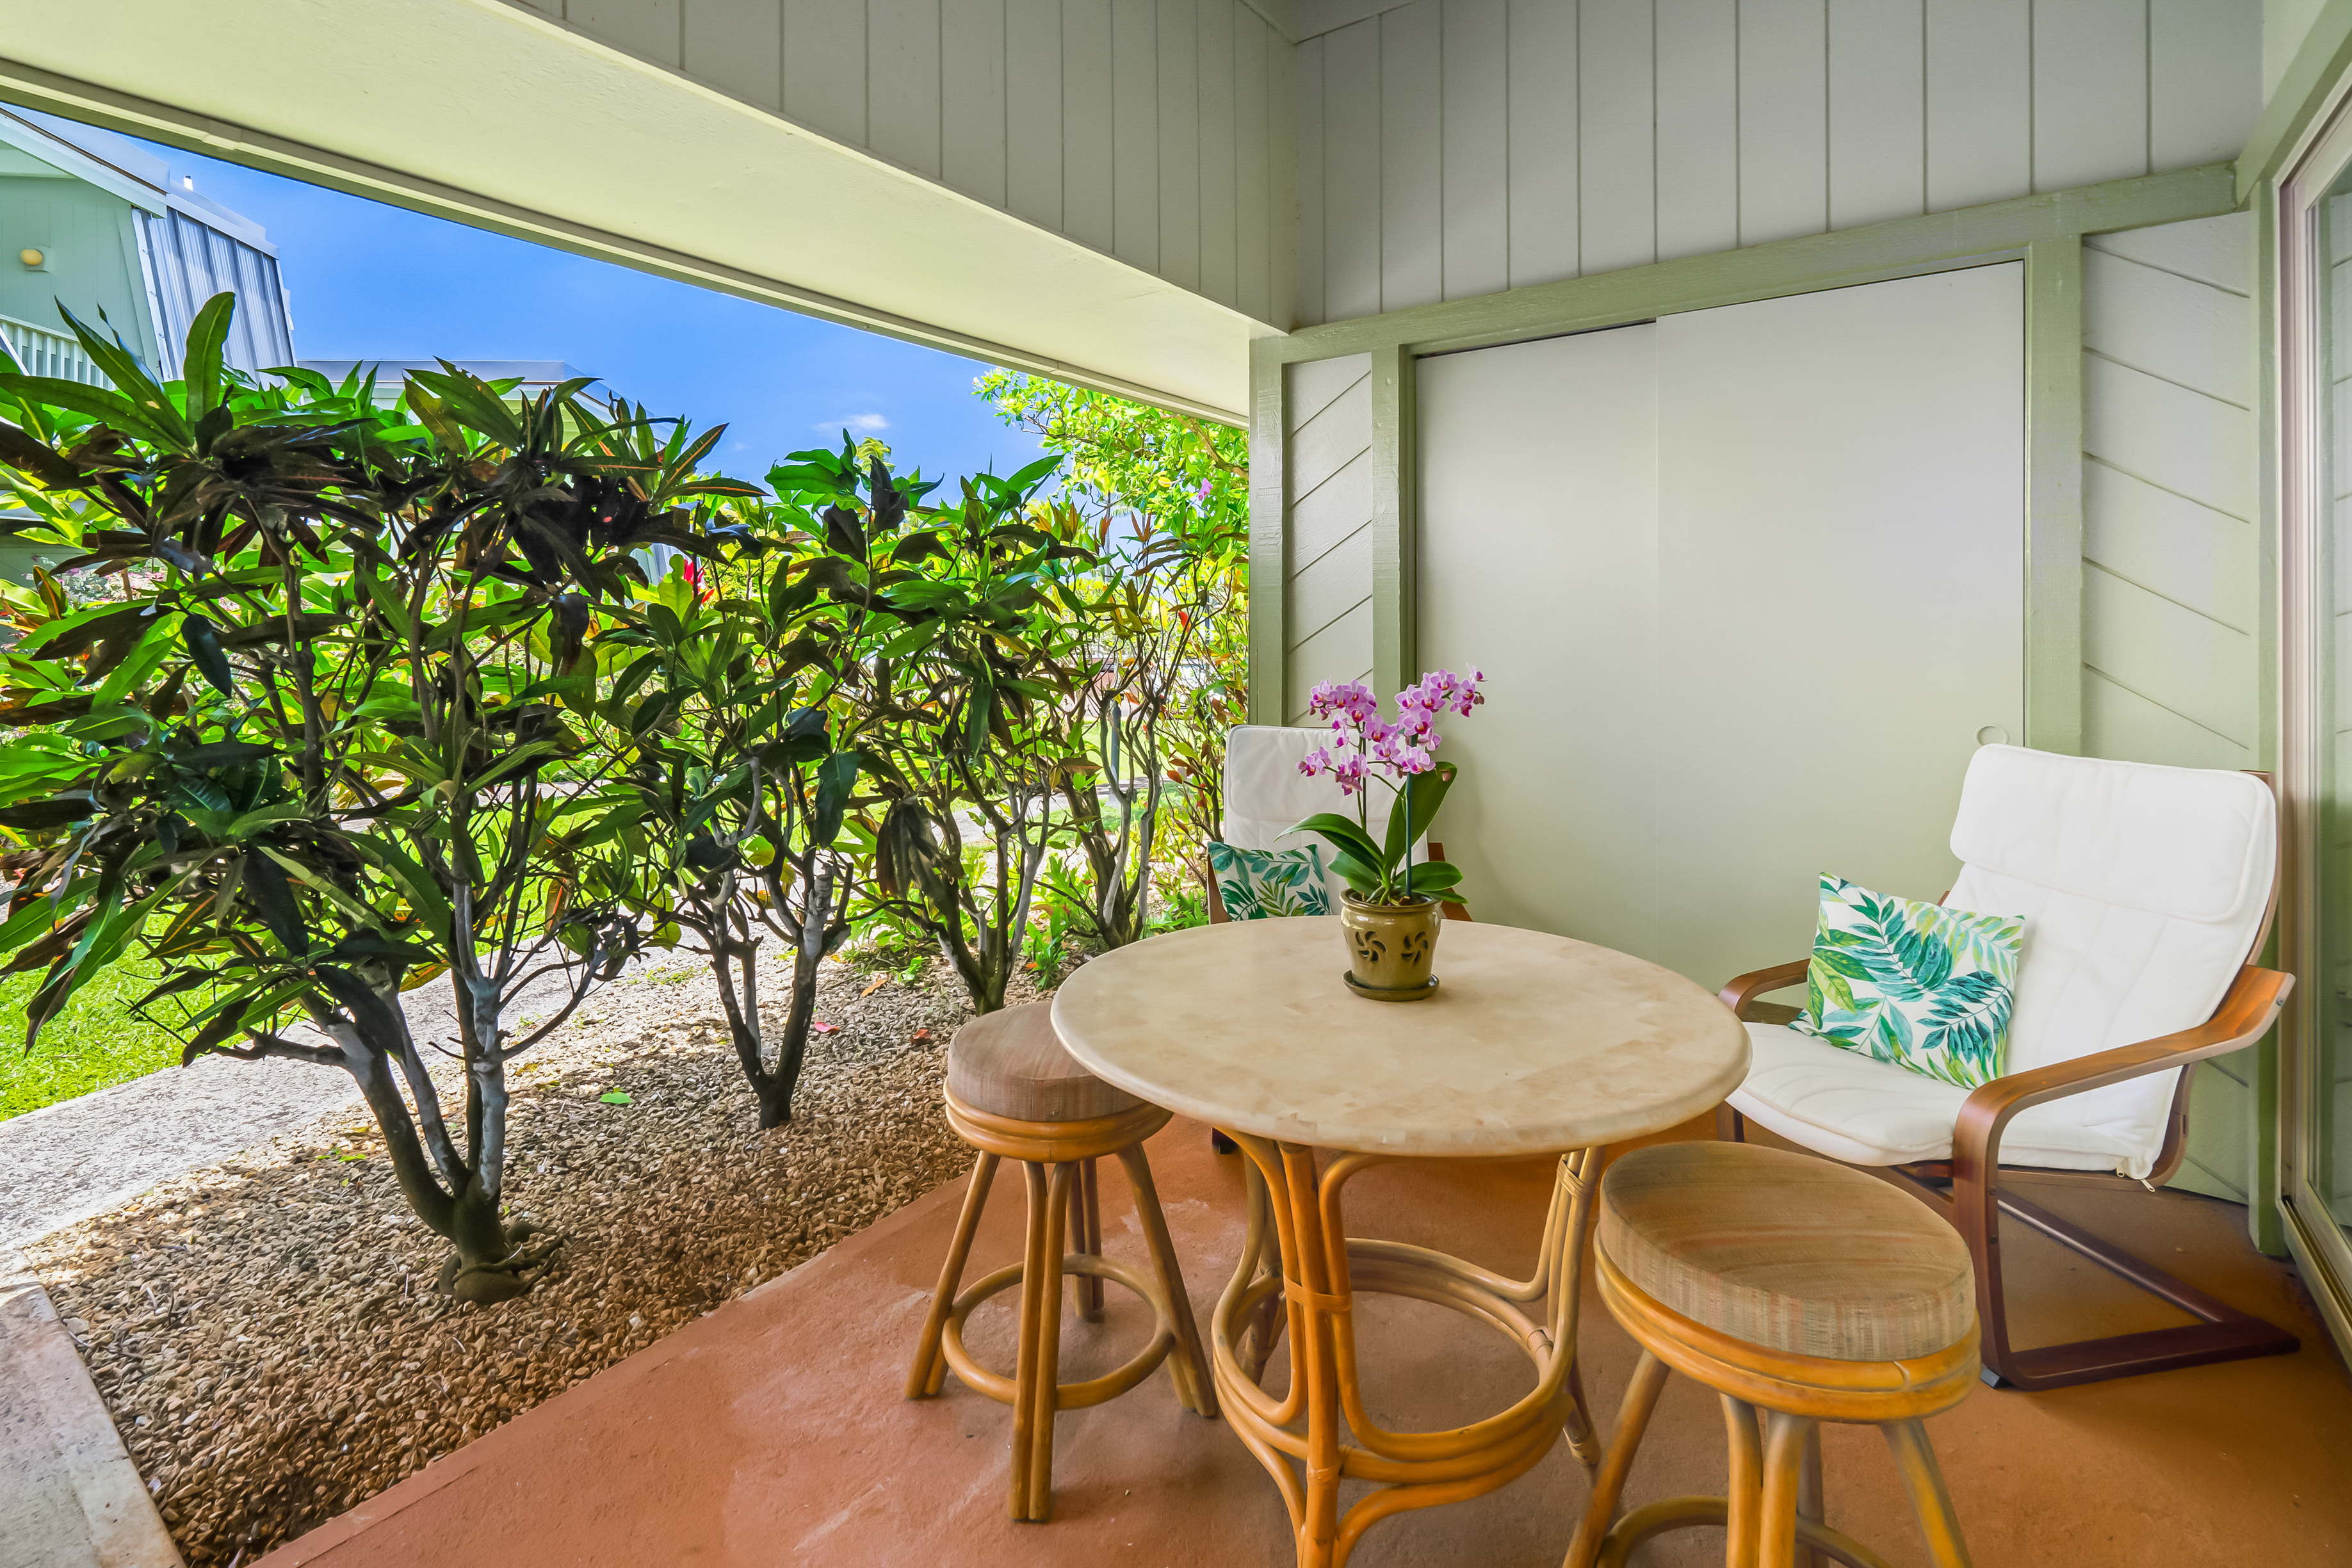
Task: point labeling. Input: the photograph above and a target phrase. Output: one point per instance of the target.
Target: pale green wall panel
(2191, 664)
(2168, 544)
(1327, 472)
(2122, 723)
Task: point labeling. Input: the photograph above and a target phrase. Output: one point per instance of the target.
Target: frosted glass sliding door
(1749, 583)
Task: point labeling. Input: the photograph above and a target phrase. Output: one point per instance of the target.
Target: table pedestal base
(1320, 1432)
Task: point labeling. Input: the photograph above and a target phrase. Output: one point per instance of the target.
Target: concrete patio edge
(67, 1480)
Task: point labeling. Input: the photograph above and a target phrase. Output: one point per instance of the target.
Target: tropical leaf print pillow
(1256, 883)
(1920, 986)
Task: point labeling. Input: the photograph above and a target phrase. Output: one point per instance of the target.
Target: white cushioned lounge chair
(2147, 893)
(1265, 793)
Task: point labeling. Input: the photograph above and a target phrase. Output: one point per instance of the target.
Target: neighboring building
(113, 232)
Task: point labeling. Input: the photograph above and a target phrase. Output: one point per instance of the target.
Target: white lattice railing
(43, 352)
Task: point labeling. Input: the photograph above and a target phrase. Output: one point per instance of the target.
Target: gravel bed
(264, 1330)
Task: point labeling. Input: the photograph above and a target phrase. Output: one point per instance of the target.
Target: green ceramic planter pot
(1390, 946)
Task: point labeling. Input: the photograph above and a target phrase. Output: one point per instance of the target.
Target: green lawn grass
(94, 1042)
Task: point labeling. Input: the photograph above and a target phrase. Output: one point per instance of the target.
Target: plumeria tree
(321, 750)
(1166, 497)
(1399, 755)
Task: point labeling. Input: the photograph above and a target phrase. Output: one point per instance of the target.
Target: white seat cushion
(1866, 1112)
(2143, 891)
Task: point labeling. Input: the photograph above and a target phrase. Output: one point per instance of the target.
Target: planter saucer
(1389, 993)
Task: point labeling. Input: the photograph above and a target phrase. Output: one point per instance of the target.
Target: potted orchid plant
(1391, 912)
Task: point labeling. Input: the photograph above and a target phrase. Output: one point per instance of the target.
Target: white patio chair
(1265, 793)
(2147, 894)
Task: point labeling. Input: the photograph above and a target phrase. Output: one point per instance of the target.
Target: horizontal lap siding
(1327, 495)
(1451, 148)
(2170, 594)
(1143, 128)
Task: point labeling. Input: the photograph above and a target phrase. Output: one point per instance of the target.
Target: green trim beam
(1396, 492)
(2053, 495)
(1269, 531)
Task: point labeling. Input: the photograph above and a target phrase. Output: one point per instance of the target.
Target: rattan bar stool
(1794, 1288)
(1013, 1093)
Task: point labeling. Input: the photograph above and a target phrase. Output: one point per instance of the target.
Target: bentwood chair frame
(1968, 1187)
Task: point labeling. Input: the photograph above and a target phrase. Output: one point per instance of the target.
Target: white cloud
(862, 423)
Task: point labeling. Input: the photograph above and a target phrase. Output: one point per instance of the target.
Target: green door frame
(2045, 232)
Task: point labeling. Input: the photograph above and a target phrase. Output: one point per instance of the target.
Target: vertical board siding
(1878, 101)
(1616, 147)
(1411, 154)
(1327, 498)
(1155, 131)
(1219, 133)
(739, 50)
(1089, 174)
(825, 68)
(1033, 111)
(2090, 91)
(1626, 131)
(1698, 127)
(1541, 87)
(1474, 182)
(649, 29)
(1313, 171)
(973, 136)
(1179, 142)
(1135, 132)
(1979, 114)
(1412, 218)
(1351, 169)
(902, 83)
(1783, 119)
(1256, 156)
(2200, 66)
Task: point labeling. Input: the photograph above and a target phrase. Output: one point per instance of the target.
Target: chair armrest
(1756, 983)
(2245, 1015)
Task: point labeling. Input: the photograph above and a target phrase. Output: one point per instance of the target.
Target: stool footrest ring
(1067, 1396)
(1692, 1512)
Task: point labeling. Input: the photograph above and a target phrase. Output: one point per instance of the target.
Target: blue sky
(370, 281)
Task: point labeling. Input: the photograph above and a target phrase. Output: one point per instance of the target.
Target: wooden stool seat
(1013, 1093)
(1011, 1063)
(1788, 1251)
(1800, 1291)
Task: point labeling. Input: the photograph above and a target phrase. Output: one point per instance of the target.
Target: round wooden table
(1532, 1044)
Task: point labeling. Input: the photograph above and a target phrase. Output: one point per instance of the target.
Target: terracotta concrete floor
(772, 1430)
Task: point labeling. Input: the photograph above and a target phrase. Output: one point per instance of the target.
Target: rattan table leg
(1188, 1365)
